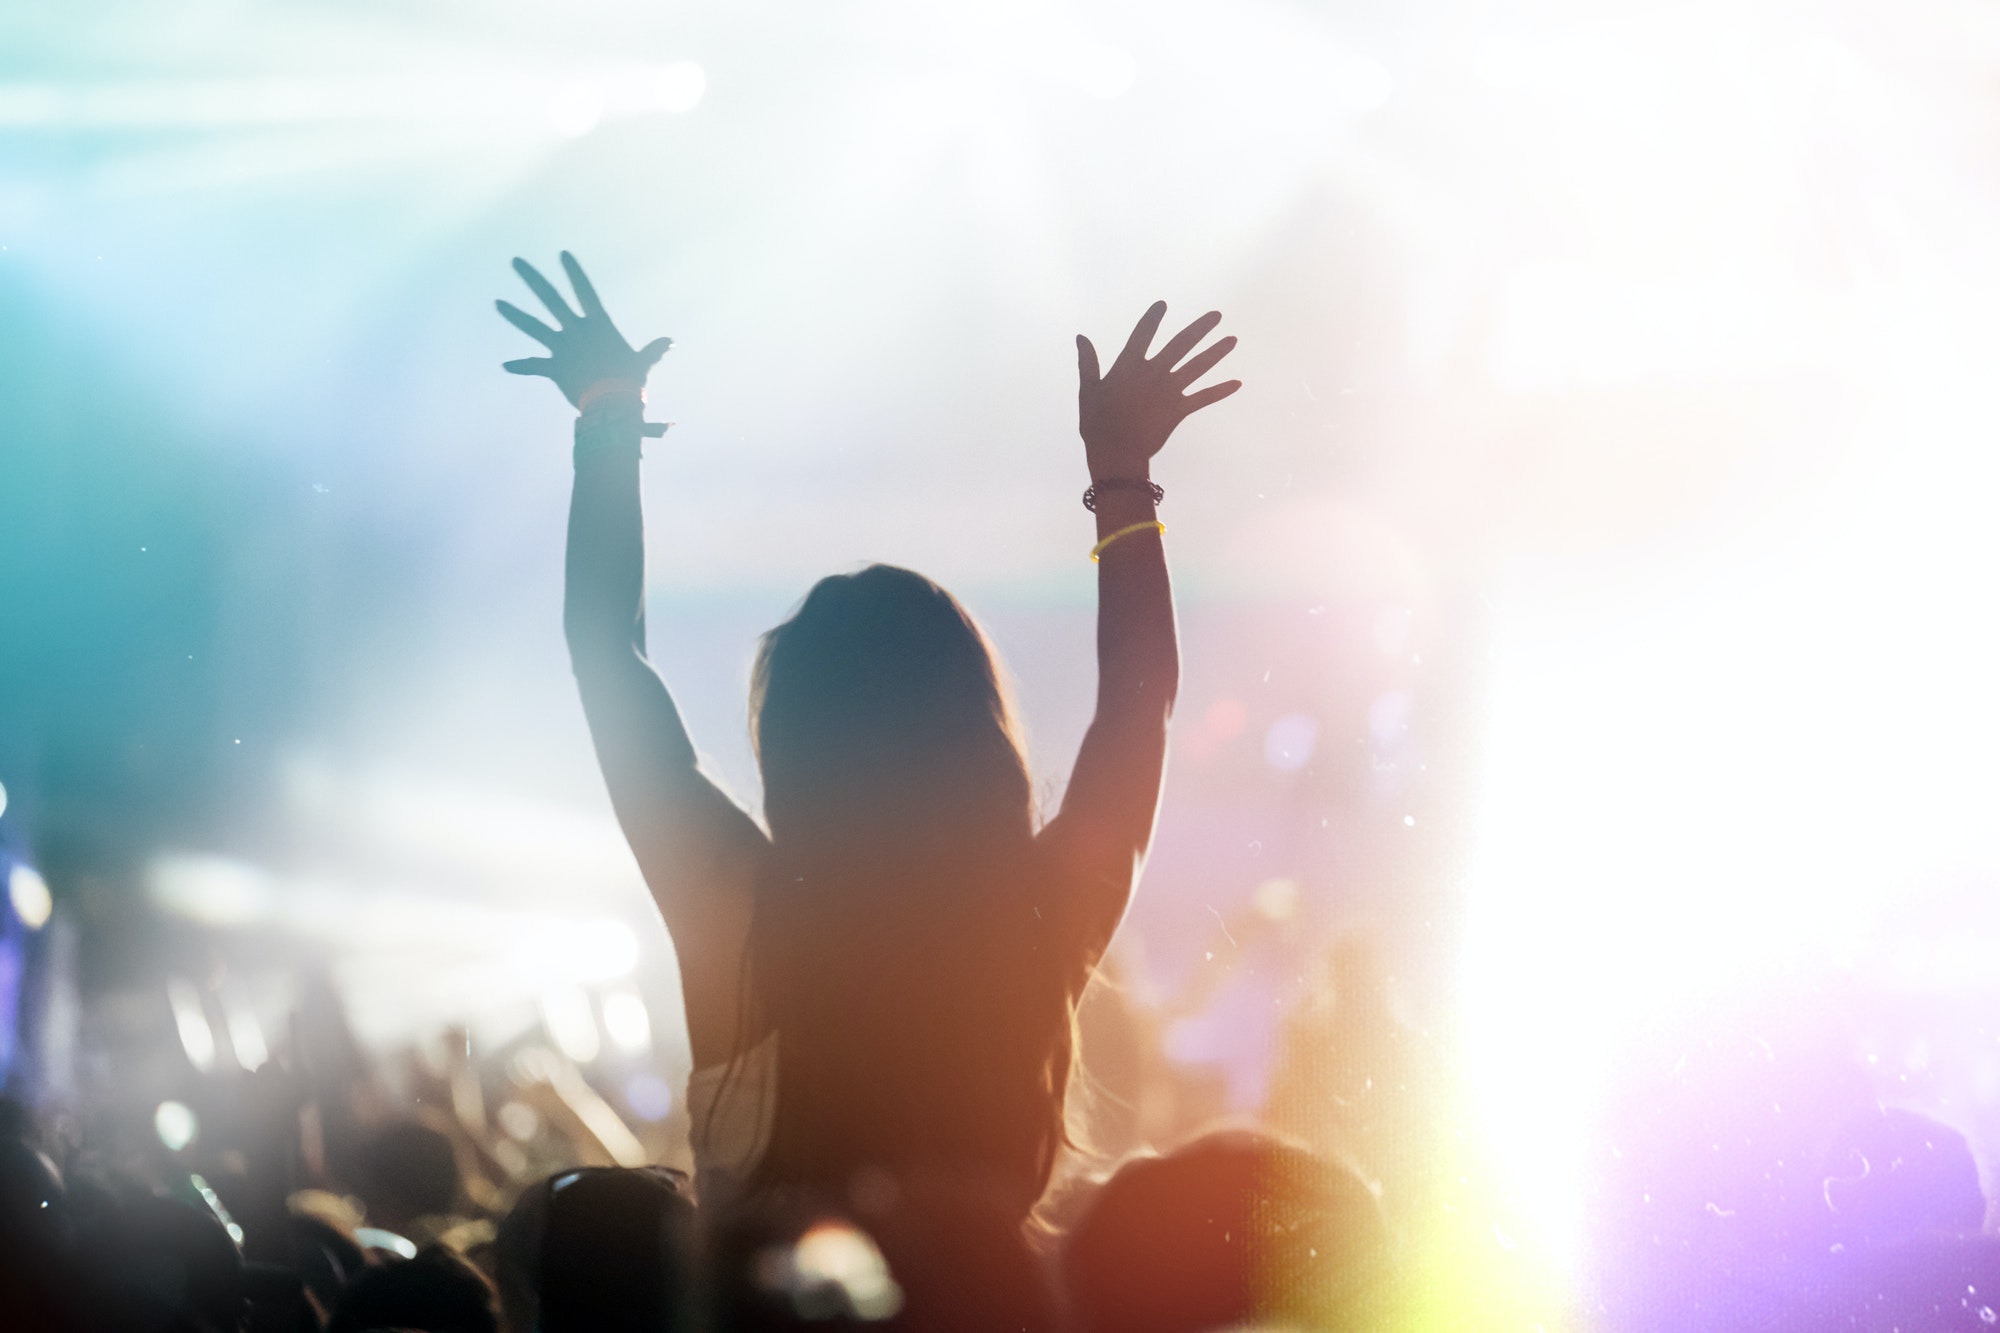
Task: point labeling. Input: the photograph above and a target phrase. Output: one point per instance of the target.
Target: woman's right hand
(585, 349)
(1127, 413)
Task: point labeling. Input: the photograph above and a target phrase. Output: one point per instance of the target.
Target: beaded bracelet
(1157, 491)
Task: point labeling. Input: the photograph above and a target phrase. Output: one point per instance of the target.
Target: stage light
(378, 1238)
(246, 1034)
(212, 890)
(216, 1206)
(835, 1255)
(584, 952)
(176, 1125)
(627, 1023)
(515, 840)
(191, 1021)
(28, 892)
(1721, 774)
(488, 100)
(3, 798)
(571, 1025)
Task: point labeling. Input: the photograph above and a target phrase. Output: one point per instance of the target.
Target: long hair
(897, 947)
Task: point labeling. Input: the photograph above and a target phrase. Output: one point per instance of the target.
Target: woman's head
(880, 712)
(893, 948)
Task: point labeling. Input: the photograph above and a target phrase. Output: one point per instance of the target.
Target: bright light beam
(500, 101)
(1758, 766)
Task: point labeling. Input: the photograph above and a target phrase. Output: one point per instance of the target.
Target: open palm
(1127, 412)
(584, 349)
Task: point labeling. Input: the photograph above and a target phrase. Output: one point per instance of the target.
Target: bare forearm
(1138, 654)
(604, 579)
(632, 717)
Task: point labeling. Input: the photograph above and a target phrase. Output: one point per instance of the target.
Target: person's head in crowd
(34, 1231)
(902, 817)
(324, 1255)
(408, 1169)
(1897, 1175)
(154, 1264)
(599, 1250)
(34, 1206)
(1235, 1228)
(436, 1292)
(881, 701)
(280, 1301)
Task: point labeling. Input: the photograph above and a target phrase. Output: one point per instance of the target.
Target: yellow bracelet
(1127, 531)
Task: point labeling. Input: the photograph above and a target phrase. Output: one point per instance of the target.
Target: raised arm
(698, 851)
(1126, 414)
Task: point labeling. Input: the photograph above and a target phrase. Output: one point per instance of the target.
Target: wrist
(1122, 508)
(612, 392)
(1104, 469)
(612, 426)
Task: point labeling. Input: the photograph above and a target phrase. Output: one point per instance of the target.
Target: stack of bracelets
(1152, 488)
(611, 418)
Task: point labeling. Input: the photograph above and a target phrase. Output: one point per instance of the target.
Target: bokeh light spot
(649, 1096)
(28, 893)
(176, 1125)
(627, 1023)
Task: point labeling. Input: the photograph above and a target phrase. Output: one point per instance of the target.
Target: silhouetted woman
(880, 988)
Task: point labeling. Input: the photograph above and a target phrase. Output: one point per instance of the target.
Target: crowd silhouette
(885, 984)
